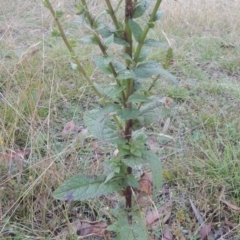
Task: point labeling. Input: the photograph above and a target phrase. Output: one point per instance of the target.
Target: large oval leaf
(150, 68)
(82, 187)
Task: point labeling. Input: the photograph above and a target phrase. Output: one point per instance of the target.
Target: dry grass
(40, 93)
(199, 17)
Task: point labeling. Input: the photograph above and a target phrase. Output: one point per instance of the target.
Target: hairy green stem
(68, 45)
(112, 13)
(116, 119)
(145, 31)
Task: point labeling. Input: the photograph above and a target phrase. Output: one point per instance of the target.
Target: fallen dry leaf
(166, 125)
(205, 231)
(92, 228)
(145, 183)
(143, 200)
(84, 131)
(95, 146)
(167, 101)
(41, 201)
(17, 157)
(230, 224)
(115, 153)
(163, 212)
(69, 128)
(84, 229)
(232, 206)
(14, 155)
(167, 235)
(81, 136)
(153, 144)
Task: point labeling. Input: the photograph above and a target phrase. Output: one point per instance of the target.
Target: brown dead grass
(205, 18)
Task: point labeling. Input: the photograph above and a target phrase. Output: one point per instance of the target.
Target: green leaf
(118, 40)
(89, 39)
(156, 168)
(82, 187)
(141, 8)
(151, 24)
(107, 60)
(153, 43)
(123, 151)
(109, 40)
(140, 135)
(126, 114)
(138, 98)
(148, 118)
(118, 66)
(58, 14)
(136, 151)
(168, 59)
(111, 91)
(89, 69)
(150, 106)
(143, 54)
(136, 230)
(80, 9)
(126, 56)
(104, 30)
(72, 42)
(45, 4)
(125, 74)
(132, 161)
(137, 147)
(136, 30)
(158, 16)
(131, 181)
(100, 125)
(121, 30)
(150, 68)
(103, 64)
(73, 65)
(111, 175)
(55, 33)
(149, 113)
(147, 69)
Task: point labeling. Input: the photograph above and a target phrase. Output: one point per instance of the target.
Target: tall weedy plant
(127, 105)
